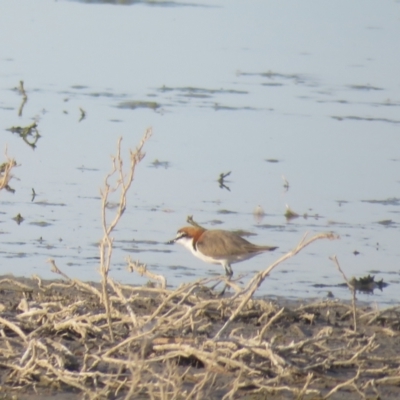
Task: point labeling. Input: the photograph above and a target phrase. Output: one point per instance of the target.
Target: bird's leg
(229, 273)
(228, 270)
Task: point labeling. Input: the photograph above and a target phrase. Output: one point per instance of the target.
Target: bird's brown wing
(213, 244)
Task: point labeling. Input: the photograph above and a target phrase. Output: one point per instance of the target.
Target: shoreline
(57, 341)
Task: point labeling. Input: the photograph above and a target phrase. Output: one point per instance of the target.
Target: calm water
(308, 90)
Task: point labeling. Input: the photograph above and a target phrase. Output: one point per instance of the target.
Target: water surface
(309, 91)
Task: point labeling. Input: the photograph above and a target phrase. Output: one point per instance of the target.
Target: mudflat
(70, 340)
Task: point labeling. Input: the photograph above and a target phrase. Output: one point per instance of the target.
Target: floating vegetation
(203, 97)
(18, 219)
(340, 202)
(285, 183)
(83, 168)
(226, 212)
(369, 119)
(9, 189)
(392, 201)
(42, 224)
(367, 284)
(200, 92)
(387, 222)
(386, 103)
(221, 180)
(270, 226)
(277, 76)
(79, 87)
(219, 107)
(46, 203)
(109, 94)
(21, 90)
(83, 114)
(29, 134)
(133, 105)
(290, 214)
(157, 164)
(272, 84)
(364, 87)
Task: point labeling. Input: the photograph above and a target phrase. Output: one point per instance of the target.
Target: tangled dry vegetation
(115, 341)
(167, 344)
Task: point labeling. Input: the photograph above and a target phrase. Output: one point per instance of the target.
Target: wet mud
(57, 340)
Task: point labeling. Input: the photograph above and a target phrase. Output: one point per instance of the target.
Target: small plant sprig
(121, 186)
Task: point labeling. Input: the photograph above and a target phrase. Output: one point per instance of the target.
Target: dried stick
(24, 288)
(56, 270)
(124, 300)
(191, 221)
(5, 171)
(14, 328)
(22, 91)
(369, 346)
(349, 382)
(141, 269)
(255, 283)
(352, 290)
(270, 322)
(123, 184)
(300, 396)
(145, 359)
(379, 314)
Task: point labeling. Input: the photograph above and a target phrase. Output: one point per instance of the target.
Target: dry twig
(352, 290)
(164, 347)
(122, 184)
(5, 172)
(255, 283)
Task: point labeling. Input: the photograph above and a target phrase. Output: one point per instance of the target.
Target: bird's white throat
(187, 242)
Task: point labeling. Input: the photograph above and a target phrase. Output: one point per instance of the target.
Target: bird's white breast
(188, 243)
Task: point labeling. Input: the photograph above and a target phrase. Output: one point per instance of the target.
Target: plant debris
(367, 283)
(29, 134)
(117, 341)
(55, 337)
(221, 180)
